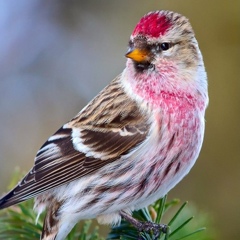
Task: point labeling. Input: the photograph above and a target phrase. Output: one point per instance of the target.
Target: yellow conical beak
(138, 55)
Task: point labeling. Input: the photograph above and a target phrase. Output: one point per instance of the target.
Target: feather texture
(91, 140)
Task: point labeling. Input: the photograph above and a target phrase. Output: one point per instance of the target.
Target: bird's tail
(9, 200)
(24, 190)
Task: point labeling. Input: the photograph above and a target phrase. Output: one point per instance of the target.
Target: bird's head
(163, 40)
(164, 57)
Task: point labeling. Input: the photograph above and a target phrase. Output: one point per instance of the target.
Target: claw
(155, 228)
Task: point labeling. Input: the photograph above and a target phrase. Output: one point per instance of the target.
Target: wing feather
(109, 127)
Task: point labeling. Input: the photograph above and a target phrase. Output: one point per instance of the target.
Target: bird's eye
(130, 43)
(165, 46)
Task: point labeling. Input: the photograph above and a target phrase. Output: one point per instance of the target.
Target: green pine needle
(179, 226)
(177, 214)
(161, 207)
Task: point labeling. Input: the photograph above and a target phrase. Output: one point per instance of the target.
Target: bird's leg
(145, 226)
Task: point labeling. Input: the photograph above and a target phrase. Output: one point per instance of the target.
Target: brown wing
(108, 128)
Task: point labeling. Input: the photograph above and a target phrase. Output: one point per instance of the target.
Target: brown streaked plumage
(101, 131)
(133, 142)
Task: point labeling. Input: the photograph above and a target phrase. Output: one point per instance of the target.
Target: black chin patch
(142, 66)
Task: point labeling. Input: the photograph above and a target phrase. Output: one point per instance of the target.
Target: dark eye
(130, 44)
(165, 46)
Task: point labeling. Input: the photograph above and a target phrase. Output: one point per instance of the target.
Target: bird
(133, 142)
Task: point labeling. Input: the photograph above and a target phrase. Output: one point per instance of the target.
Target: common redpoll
(133, 142)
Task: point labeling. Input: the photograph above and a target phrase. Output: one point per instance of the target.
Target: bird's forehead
(154, 24)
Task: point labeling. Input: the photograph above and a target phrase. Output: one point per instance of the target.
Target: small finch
(133, 142)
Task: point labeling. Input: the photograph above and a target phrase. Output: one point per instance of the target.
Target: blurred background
(57, 55)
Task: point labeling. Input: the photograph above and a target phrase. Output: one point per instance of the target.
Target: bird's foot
(149, 227)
